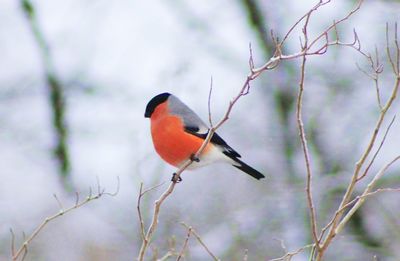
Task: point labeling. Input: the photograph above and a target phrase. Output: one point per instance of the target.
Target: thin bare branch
(185, 244)
(12, 242)
(209, 103)
(279, 56)
(378, 150)
(288, 256)
(303, 139)
(294, 26)
(334, 25)
(389, 55)
(356, 174)
(349, 204)
(396, 42)
(23, 249)
(141, 222)
(251, 60)
(168, 255)
(25, 253)
(201, 242)
(141, 194)
(366, 193)
(59, 203)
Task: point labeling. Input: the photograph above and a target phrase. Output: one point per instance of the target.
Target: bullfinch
(178, 133)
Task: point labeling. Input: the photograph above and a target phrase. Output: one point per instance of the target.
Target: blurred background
(74, 82)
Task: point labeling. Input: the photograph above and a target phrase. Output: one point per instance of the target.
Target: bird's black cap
(153, 103)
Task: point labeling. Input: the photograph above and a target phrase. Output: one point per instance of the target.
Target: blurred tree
(284, 100)
(56, 96)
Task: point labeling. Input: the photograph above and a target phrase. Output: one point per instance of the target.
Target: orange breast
(171, 142)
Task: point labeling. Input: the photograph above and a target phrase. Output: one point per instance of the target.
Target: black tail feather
(247, 169)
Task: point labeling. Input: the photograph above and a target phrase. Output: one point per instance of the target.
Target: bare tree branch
(185, 244)
(201, 242)
(288, 256)
(141, 194)
(303, 139)
(23, 249)
(209, 103)
(361, 199)
(378, 150)
(338, 218)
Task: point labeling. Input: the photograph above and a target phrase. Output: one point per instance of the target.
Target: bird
(178, 133)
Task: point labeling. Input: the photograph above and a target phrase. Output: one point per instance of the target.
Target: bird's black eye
(153, 103)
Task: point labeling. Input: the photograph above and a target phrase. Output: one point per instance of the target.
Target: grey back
(190, 118)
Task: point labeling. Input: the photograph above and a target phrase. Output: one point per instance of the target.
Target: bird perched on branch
(178, 134)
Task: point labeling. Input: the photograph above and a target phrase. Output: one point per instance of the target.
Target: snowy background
(113, 56)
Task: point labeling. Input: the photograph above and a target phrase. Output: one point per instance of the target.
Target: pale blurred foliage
(113, 56)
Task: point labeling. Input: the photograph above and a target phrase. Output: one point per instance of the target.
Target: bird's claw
(175, 178)
(193, 157)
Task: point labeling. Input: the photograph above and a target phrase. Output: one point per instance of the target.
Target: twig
(288, 256)
(209, 103)
(395, 64)
(167, 256)
(279, 56)
(303, 139)
(171, 252)
(314, 8)
(378, 150)
(12, 242)
(141, 194)
(366, 193)
(23, 249)
(185, 244)
(196, 235)
(355, 200)
(158, 202)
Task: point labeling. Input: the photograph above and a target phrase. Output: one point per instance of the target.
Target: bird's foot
(175, 178)
(193, 157)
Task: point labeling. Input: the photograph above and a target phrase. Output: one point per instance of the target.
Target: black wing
(228, 151)
(215, 139)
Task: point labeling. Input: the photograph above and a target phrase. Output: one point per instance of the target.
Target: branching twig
(303, 136)
(355, 200)
(141, 194)
(185, 244)
(279, 56)
(169, 254)
(378, 150)
(288, 256)
(338, 219)
(196, 235)
(23, 249)
(366, 193)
